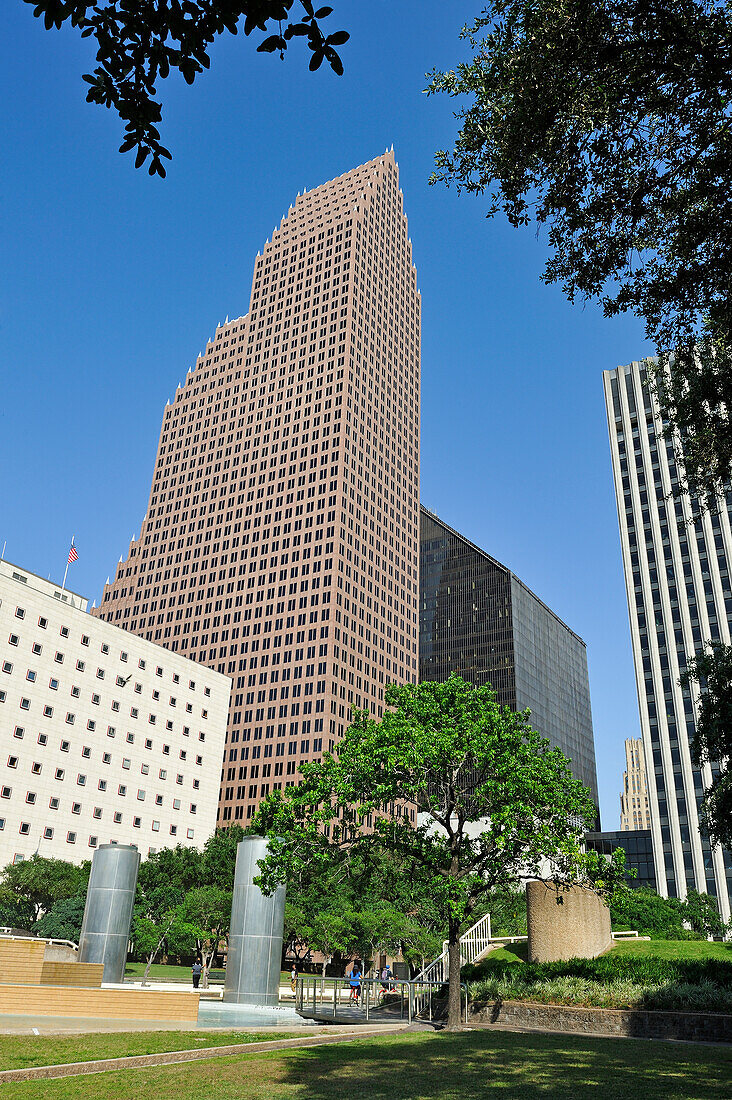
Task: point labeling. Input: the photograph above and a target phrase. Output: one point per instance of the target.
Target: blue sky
(111, 282)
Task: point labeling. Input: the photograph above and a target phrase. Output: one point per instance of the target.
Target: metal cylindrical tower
(110, 896)
(255, 939)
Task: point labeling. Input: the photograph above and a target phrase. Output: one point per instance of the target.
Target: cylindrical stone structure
(255, 938)
(105, 930)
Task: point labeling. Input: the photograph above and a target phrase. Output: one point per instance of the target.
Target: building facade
(281, 539)
(104, 737)
(638, 847)
(478, 620)
(634, 809)
(677, 581)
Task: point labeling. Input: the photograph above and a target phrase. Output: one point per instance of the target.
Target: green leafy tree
(497, 800)
(608, 123)
(648, 913)
(702, 914)
(712, 744)
(207, 910)
(171, 929)
(219, 857)
(63, 920)
(32, 886)
(142, 42)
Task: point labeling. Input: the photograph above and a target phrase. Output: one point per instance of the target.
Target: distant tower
(634, 810)
(677, 579)
(281, 539)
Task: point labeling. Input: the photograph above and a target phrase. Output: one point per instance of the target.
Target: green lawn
(161, 973)
(465, 1066)
(21, 1051)
(675, 949)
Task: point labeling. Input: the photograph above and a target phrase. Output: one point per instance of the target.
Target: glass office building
(638, 848)
(478, 620)
(677, 582)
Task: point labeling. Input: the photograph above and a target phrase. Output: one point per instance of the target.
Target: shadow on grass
(469, 1065)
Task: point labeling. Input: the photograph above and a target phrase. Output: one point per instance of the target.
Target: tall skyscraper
(281, 539)
(634, 810)
(679, 598)
(477, 619)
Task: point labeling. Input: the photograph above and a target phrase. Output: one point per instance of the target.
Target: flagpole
(63, 586)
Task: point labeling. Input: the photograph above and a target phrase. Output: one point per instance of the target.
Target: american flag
(72, 554)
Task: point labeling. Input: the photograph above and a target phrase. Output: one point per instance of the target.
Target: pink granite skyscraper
(281, 541)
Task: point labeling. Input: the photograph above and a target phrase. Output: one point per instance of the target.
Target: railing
(325, 996)
(473, 943)
(7, 935)
(625, 935)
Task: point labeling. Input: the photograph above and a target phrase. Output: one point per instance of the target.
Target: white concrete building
(677, 579)
(104, 737)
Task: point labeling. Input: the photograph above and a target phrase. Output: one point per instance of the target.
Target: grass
(463, 1066)
(675, 949)
(22, 1051)
(159, 972)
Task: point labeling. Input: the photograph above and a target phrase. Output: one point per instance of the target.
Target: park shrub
(611, 981)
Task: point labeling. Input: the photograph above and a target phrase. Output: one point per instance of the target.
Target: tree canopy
(31, 887)
(608, 123)
(459, 789)
(712, 743)
(142, 42)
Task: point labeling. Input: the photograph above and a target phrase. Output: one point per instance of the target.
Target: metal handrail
(313, 994)
(40, 939)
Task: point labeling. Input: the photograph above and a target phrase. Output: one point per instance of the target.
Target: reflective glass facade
(477, 619)
(638, 852)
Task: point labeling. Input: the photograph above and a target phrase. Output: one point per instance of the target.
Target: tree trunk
(324, 966)
(454, 1013)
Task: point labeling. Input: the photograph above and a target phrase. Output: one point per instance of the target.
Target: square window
(86, 752)
(102, 785)
(60, 773)
(19, 613)
(189, 834)
(140, 796)
(59, 658)
(158, 800)
(141, 663)
(162, 774)
(85, 639)
(176, 678)
(100, 674)
(123, 656)
(172, 701)
(92, 842)
(169, 726)
(81, 665)
(133, 712)
(65, 746)
(96, 699)
(192, 685)
(156, 695)
(137, 822)
(126, 762)
(36, 768)
(7, 667)
(24, 829)
(110, 731)
(193, 807)
(151, 719)
(182, 754)
(115, 706)
(71, 838)
(122, 790)
(43, 622)
(156, 826)
(25, 704)
(207, 691)
(106, 758)
(5, 792)
(18, 732)
(48, 833)
(176, 803)
(166, 750)
(173, 830)
(31, 798)
(53, 684)
(158, 671)
(70, 718)
(42, 738)
(199, 760)
(75, 692)
(105, 647)
(12, 761)
(196, 784)
(64, 632)
(130, 738)
(53, 803)
(30, 676)
(76, 807)
(81, 780)
(37, 649)
(13, 639)
(117, 818)
(145, 769)
(97, 813)
(48, 711)
(148, 743)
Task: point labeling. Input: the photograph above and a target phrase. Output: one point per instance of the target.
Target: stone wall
(565, 922)
(636, 1023)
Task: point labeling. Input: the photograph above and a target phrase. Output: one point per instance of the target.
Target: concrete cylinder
(105, 930)
(255, 938)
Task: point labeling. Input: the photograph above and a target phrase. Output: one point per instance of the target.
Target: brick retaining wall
(636, 1023)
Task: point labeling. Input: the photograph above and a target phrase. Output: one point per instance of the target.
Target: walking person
(196, 972)
(293, 978)
(355, 983)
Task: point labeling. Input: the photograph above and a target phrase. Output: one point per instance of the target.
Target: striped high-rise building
(634, 809)
(281, 540)
(677, 578)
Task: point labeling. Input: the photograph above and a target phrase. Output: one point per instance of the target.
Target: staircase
(474, 944)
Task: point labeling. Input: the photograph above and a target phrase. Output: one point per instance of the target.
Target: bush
(638, 969)
(646, 911)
